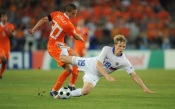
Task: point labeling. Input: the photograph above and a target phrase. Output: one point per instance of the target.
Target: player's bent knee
(85, 92)
(69, 70)
(62, 58)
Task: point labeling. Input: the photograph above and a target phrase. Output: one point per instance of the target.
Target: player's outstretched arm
(140, 83)
(39, 23)
(103, 72)
(78, 37)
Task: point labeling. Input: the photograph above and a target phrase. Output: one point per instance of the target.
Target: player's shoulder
(10, 25)
(107, 47)
(123, 56)
(55, 13)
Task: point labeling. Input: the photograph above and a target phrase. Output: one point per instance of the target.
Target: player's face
(73, 14)
(4, 18)
(119, 48)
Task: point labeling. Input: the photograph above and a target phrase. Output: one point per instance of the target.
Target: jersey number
(81, 62)
(56, 30)
(107, 64)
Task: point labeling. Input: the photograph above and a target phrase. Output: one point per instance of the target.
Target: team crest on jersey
(116, 63)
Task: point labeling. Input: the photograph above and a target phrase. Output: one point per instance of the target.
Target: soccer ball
(64, 93)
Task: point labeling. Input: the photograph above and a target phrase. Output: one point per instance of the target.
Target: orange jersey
(80, 46)
(4, 38)
(61, 25)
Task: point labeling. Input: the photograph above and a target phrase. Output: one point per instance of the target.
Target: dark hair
(70, 8)
(3, 13)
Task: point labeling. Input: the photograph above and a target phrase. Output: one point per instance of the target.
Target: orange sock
(2, 69)
(60, 80)
(74, 76)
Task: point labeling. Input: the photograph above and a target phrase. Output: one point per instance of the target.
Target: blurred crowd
(145, 23)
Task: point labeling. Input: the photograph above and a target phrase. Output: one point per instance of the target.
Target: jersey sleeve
(103, 54)
(54, 13)
(71, 30)
(128, 67)
(11, 26)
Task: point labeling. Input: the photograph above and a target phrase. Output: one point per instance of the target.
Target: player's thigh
(2, 53)
(55, 54)
(66, 59)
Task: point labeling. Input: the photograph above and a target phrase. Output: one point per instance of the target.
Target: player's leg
(67, 68)
(90, 82)
(64, 52)
(87, 88)
(75, 71)
(2, 69)
(3, 63)
(66, 59)
(62, 77)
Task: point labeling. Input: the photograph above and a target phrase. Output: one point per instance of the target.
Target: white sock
(76, 93)
(64, 52)
(0, 66)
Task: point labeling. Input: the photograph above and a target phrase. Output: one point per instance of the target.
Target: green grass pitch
(29, 89)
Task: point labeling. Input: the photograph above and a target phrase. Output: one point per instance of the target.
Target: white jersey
(110, 61)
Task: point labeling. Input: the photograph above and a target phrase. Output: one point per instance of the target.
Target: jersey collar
(66, 15)
(113, 49)
(2, 24)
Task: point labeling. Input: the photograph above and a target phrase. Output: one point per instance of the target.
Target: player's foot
(53, 93)
(60, 45)
(57, 97)
(0, 77)
(71, 87)
(65, 49)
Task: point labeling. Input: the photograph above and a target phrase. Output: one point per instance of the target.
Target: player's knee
(63, 59)
(68, 69)
(3, 61)
(85, 92)
(74, 73)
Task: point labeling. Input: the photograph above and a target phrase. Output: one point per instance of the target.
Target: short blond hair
(119, 38)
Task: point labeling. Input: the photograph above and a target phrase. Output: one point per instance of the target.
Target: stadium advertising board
(20, 60)
(139, 59)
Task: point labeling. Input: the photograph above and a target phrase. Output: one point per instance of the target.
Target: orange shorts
(55, 51)
(81, 51)
(4, 53)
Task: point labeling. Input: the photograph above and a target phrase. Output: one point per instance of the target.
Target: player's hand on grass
(148, 91)
(110, 78)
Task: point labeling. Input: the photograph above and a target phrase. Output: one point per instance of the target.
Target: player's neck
(118, 53)
(3, 22)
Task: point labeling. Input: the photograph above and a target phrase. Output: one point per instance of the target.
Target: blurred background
(148, 25)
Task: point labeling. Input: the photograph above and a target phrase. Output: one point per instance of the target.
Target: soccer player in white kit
(109, 60)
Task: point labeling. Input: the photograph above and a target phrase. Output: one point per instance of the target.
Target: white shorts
(88, 66)
(90, 78)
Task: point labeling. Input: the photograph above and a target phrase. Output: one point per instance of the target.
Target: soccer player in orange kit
(82, 47)
(61, 25)
(6, 31)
